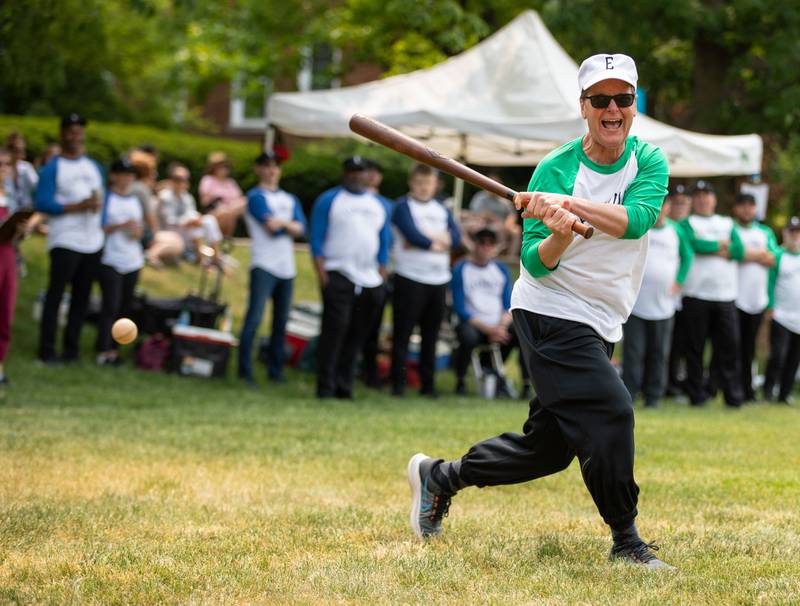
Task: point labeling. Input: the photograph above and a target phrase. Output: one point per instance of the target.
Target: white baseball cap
(607, 67)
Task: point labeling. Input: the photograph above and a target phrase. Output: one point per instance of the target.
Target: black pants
(718, 320)
(677, 354)
(117, 299)
(79, 270)
(371, 348)
(415, 303)
(748, 331)
(784, 359)
(582, 409)
(469, 338)
(348, 311)
(644, 357)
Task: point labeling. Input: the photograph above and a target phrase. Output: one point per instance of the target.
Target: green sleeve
(556, 175)
(736, 249)
(645, 195)
(686, 254)
(772, 241)
(700, 247)
(773, 277)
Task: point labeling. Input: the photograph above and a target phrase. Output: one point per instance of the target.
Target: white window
(248, 106)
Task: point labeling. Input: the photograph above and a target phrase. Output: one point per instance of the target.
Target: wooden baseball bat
(399, 142)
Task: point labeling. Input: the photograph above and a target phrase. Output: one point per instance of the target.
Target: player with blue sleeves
(482, 301)
(274, 218)
(425, 233)
(70, 192)
(350, 239)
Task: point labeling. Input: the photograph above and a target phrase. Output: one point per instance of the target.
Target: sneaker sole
(415, 483)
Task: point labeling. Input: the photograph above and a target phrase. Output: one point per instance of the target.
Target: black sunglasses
(603, 101)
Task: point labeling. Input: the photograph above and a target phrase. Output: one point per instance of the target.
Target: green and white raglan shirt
(711, 277)
(596, 281)
(784, 289)
(753, 293)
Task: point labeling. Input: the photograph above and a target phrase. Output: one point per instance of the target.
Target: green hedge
(313, 167)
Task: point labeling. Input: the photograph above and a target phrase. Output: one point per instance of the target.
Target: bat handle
(582, 229)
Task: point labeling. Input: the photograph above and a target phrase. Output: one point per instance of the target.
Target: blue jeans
(263, 286)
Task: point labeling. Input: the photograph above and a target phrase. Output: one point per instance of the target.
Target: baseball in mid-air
(124, 331)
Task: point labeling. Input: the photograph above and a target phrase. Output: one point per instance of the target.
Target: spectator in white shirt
(71, 192)
(123, 256)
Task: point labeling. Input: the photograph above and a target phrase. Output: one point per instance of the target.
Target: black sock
(446, 477)
(625, 536)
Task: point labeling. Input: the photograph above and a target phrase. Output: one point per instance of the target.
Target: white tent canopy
(505, 102)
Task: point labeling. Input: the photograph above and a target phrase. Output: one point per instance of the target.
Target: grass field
(121, 487)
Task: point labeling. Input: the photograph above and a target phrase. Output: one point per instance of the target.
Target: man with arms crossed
(568, 306)
(709, 300)
(760, 247)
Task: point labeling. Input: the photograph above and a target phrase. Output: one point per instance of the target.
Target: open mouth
(611, 124)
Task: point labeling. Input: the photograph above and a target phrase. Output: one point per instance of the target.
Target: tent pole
(458, 185)
(269, 137)
(458, 198)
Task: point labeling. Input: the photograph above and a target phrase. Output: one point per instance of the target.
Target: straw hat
(215, 159)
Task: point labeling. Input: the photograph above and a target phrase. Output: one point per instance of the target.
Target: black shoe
(429, 393)
(53, 362)
(652, 403)
(249, 382)
(461, 388)
(343, 394)
(639, 554)
(281, 378)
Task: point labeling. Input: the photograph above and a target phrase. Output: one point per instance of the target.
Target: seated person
(177, 213)
(482, 299)
(497, 213)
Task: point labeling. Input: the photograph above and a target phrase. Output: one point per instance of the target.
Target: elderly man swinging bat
(569, 304)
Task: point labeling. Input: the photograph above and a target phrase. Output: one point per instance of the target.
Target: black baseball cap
(72, 118)
(703, 186)
(485, 233)
(793, 224)
(372, 165)
(678, 190)
(354, 163)
(742, 198)
(122, 166)
(268, 156)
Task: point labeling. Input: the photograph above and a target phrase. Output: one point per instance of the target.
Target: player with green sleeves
(760, 247)
(648, 331)
(784, 333)
(568, 306)
(709, 299)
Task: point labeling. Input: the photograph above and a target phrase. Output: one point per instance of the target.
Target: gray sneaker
(428, 507)
(639, 554)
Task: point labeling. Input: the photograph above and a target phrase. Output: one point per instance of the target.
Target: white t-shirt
(483, 289)
(597, 280)
(121, 251)
(418, 264)
(754, 277)
(655, 300)
(787, 291)
(346, 229)
(274, 253)
(22, 188)
(70, 182)
(712, 278)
